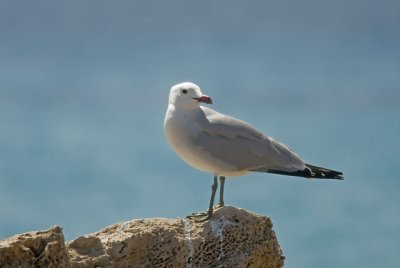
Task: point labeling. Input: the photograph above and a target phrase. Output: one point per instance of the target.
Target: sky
(84, 87)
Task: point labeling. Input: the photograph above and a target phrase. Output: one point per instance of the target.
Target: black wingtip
(338, 177)
(324, 173)
(312, 172)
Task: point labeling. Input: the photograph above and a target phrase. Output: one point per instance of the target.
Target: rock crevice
(231, 238)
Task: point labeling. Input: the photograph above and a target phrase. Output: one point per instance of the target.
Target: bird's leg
(221, 192)
(213, 191)
(207, 215)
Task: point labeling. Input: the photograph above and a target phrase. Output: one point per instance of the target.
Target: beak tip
(207, 99)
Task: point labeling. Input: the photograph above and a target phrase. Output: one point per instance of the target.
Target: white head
(187, 95)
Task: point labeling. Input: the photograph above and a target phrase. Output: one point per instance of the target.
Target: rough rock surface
(232, 238)
(35, 249)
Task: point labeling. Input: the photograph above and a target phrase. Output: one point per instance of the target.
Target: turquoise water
(84, 88)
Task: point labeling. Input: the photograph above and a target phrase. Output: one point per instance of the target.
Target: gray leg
(207, 215)
(221, 192)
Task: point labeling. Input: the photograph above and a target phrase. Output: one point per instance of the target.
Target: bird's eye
(184, 91)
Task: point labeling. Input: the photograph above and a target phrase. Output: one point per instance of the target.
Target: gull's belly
(196, 156)
(202, 160)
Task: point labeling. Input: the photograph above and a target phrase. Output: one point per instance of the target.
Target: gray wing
(240, 144)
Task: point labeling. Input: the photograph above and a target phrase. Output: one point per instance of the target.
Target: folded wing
(240, 144)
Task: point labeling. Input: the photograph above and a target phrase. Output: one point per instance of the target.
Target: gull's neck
(184, 114)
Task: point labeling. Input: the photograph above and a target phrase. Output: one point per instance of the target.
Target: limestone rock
(35, 249)
(231, 238)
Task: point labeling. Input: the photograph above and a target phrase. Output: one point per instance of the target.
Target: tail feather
(313, 172)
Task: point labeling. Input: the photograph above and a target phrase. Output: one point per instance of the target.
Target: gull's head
(187, 95)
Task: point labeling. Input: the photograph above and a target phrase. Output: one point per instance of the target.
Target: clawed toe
(200, 217)
(219, 205)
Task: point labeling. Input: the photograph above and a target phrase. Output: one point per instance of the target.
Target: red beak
(205, 99)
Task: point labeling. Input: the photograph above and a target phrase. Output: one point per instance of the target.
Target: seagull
(225, 146)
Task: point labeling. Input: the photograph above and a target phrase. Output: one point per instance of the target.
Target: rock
(232, 238)
(35, 249)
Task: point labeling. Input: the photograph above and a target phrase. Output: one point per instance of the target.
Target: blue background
(84, 87)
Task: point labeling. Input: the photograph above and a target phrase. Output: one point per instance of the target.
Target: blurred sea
(84, 87)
